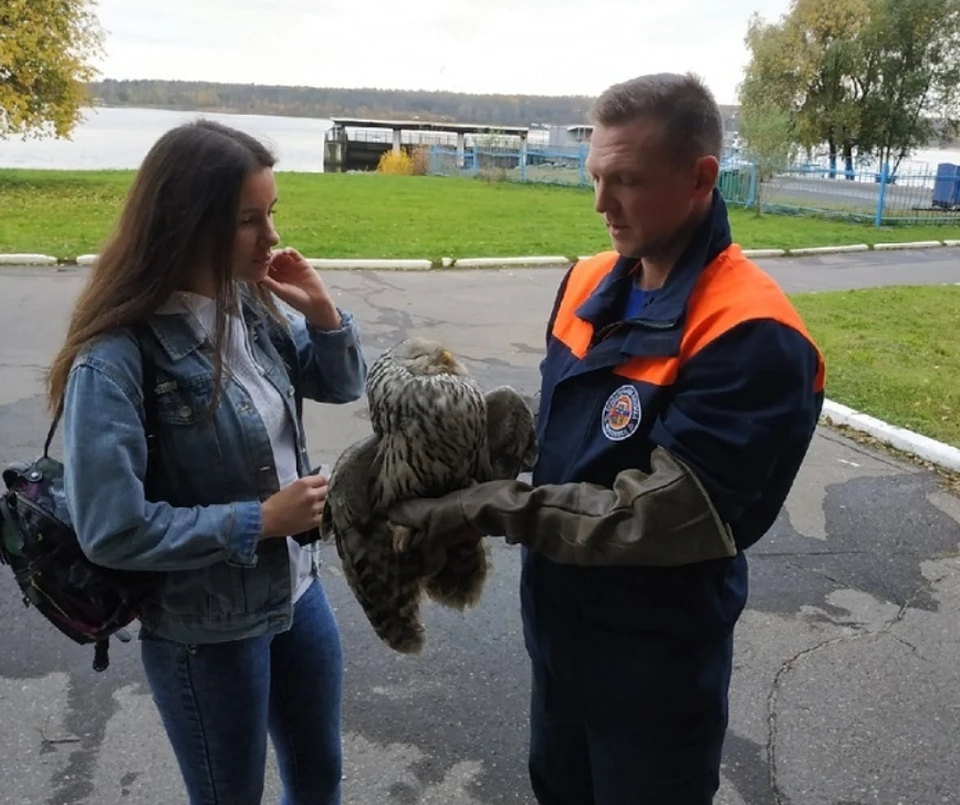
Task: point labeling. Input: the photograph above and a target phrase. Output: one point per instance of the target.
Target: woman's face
(255, 237)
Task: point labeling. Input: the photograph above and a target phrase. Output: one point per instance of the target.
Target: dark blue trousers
(628, 707)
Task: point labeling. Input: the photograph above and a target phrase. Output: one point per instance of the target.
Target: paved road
(846, 690)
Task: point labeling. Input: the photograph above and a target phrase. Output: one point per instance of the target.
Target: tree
(46, 52)
(824, 32)
(775, 73)
(804, 64)
(770, 93)
(769, 134)
(875, 77)
(910, 75)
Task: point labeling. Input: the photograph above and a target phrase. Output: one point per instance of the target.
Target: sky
(543, 47)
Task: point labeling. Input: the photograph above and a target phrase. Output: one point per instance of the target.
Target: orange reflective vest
(718, 369)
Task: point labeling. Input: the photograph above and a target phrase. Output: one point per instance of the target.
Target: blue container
(946, 188)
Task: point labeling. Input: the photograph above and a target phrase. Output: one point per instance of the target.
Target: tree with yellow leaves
(46, 52)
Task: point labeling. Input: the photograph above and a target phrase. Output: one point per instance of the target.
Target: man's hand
(662, 518)
(434, 521)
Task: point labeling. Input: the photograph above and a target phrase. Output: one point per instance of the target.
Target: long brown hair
(179, 217)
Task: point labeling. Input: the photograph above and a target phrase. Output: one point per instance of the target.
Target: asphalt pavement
(846, 689)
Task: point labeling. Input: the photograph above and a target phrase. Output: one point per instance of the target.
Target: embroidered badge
(621, 414)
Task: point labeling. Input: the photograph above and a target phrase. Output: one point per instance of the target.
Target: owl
(434, 431)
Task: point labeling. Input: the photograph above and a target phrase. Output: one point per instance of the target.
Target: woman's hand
(295, 508)
(291, 278)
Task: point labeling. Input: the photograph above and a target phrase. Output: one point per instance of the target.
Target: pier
(356, 144)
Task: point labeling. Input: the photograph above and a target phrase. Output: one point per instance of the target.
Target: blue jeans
(219, 701)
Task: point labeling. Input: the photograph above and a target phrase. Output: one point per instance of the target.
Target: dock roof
(427, 125)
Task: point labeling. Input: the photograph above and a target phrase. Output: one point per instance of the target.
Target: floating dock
(356, 144)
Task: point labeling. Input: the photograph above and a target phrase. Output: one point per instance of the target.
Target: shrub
(397, 163)
(420, 157)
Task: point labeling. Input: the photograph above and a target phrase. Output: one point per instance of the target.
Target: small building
(569, 136)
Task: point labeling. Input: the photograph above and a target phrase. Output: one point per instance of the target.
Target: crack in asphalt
(859, 632)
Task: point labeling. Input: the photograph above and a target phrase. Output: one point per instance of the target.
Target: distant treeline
(503, 110)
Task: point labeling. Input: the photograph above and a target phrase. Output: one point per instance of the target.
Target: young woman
(239, 641)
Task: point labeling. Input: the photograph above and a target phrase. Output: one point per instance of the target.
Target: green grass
(892, 353)
(67, 213)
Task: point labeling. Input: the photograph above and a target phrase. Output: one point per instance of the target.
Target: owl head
(421, 356)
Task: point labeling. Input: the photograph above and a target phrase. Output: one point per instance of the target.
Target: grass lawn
(892, 353)
(67, 213)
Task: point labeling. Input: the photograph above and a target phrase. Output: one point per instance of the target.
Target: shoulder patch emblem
(621, 414)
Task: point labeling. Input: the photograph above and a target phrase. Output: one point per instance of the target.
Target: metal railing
(914, 194)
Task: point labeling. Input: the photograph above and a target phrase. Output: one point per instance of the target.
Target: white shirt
(239, 361)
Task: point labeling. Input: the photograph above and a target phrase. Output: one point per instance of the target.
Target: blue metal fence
(914, 194)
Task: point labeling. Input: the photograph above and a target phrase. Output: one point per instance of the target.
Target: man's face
(643, 192)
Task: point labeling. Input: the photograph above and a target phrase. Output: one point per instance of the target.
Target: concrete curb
(27, 260)
(498, 262)
(764, 252)
(506, 262)
(943, 455)
(920, 244)
(854, 247)
(361, 263)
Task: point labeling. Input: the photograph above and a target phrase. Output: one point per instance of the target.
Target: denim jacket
(200, 521)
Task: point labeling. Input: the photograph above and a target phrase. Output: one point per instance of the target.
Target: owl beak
(447, 359)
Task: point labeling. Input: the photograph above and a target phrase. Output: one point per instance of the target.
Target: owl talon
(403, 538)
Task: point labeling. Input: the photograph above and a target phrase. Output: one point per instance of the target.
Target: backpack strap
(53, 429)
(149, 383)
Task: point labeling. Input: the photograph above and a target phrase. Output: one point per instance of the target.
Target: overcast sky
(554, 48)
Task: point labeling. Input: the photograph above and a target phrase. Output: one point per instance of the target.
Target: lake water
(120, 137)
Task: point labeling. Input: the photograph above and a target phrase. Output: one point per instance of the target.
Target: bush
(421, 160)
(397, 163)
(413, 161)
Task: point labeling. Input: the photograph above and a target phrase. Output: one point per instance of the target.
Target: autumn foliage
(46, 53)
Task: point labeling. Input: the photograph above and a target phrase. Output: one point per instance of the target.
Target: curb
(920, 244)
(490, 262)
(549, 261)
(27, 260)
(856, 247)
(943, 455)
(764, 252)
(361, 263)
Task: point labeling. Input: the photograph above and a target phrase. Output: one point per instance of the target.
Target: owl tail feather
(459, 583)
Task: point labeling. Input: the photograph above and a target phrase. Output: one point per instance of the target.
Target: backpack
(86, 602)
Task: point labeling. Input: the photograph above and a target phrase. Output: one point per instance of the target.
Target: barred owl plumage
(433, 430)
(430, 416)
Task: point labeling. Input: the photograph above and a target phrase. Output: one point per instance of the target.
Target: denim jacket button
(185, 411)
(291, 391)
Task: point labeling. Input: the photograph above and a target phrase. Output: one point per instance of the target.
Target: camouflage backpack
(87, 602)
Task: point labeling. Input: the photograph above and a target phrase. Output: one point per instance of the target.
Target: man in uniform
(680, 392)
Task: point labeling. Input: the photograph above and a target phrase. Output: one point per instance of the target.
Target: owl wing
(511, 434)
(386, 585)
(348, 494)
